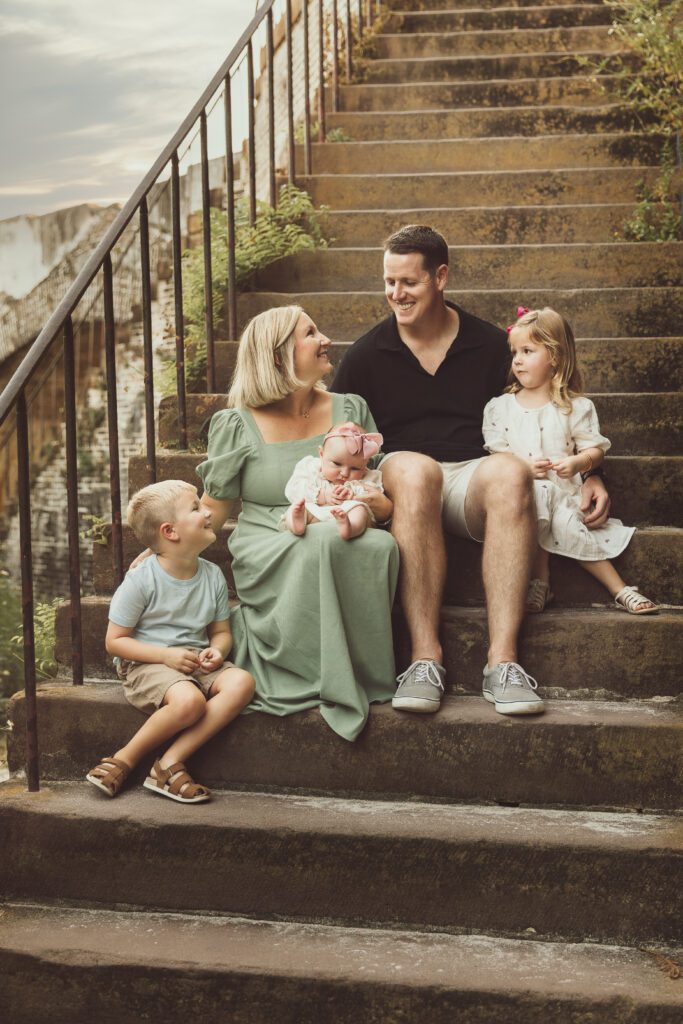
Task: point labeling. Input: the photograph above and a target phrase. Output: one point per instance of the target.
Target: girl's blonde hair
(550, 329)
(265, 359)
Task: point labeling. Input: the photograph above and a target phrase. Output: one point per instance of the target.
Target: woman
(314, 624)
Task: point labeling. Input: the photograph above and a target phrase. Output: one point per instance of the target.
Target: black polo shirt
(439, 415)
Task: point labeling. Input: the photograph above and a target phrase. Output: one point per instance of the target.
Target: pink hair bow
(357, 443)
(521, 310)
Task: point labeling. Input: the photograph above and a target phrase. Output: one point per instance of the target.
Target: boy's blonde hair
(550, 329)
(153, 505)
(265, 359)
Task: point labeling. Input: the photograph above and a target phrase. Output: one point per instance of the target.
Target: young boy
(170, 635)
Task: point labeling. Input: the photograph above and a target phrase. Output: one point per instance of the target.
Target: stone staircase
(462, 867)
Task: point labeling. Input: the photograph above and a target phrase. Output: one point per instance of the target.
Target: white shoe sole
(419, 704)
(518, 708)
(151, 785)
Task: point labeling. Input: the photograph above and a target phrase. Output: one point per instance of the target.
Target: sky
(93, 89)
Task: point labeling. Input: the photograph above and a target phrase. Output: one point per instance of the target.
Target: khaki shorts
(145, 685)
(456, 480)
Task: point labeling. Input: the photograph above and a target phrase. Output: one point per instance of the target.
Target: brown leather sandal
(109, 775)
(177, 784)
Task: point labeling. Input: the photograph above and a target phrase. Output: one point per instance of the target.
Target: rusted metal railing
(99, 267)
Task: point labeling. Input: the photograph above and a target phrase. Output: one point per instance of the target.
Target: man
(427, 372)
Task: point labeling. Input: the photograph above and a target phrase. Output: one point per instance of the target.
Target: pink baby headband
(357, 443)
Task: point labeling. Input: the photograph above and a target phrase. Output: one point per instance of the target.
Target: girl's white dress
(550, 433)
(306, 481)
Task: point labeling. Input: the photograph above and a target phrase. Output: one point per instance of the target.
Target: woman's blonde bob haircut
(550, 329)
(265, 360)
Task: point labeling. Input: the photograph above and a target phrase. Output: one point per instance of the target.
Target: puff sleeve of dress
(585, 428)
(229, 447)
(493, 427)
(305, 481)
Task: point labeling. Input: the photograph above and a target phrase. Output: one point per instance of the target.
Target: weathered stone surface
(578, 753)
(330, 859)
(247, 972)
(478, 67)
(499, 18)
(560, 39)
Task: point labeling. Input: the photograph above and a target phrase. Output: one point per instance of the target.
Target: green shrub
(656, 217)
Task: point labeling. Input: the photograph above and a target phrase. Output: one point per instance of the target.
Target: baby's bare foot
(297, 517)
(342, 522)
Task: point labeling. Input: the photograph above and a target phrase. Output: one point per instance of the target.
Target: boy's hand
(210, 659)
(539, 468)
(567, 468)
(182, 659)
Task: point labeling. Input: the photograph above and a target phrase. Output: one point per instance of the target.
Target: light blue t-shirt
(170, 612)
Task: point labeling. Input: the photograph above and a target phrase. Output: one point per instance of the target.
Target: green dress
(314, 622)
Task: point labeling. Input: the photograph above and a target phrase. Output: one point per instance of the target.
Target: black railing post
(208, 278)
(335, 57)
(71, 446)
(178, 302)
(252, 139)
(270, 60)
(307, 97)
(321, 72)
(148, 355)
(112, 419)
(291, 173)
(32, 770)
(230, 203)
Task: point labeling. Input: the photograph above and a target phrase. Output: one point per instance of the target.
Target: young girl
(333, 486)
(544, 418)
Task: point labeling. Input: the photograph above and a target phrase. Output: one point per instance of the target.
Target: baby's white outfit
(307, 479)
(550, 433)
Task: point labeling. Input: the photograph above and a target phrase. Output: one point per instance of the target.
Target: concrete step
(495, 154)
(351, 862)
(593, 312)
(636, 424)
(479, 68)
(501, 17)
(574, 186)
(227, 968)
(648, 666)
(483, 122)
(501, 225)
(419, 96)
(562, 39)
(653, 559)
(615, 264)
(608, 364)
(481, 5)
(599, 754)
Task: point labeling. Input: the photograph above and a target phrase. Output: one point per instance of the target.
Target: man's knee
(411, 477)
(504, 481)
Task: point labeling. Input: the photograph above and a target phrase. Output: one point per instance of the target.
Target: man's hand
(182, 659)
(210, 659)
(539, 468)
(595, 503)
(567, 468)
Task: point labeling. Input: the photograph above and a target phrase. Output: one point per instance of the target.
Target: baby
(334, 485)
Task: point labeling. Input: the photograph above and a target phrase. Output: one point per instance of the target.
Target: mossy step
(608, 364)
(500, 17)
(483, 122)
(612, 264)
(558, 39)
(593, 312)
(255, 971)
(517, 153)
(480, 68)
(475, 5)
(478, 188)
(494, 225)
(630, 656)
(419, 96)
(334, 860)
(653, 560)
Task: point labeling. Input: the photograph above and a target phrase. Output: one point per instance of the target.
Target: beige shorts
(145, 685)
(456, 480)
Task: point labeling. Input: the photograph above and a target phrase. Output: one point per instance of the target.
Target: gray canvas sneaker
(511, 690)
(420, 687)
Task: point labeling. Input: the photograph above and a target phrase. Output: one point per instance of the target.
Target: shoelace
(515, 675)
(426, 672)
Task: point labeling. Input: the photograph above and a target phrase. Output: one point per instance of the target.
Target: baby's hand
(182, 659)
(567, 468)
(210, 659)
(341, 493)
(539, 468)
